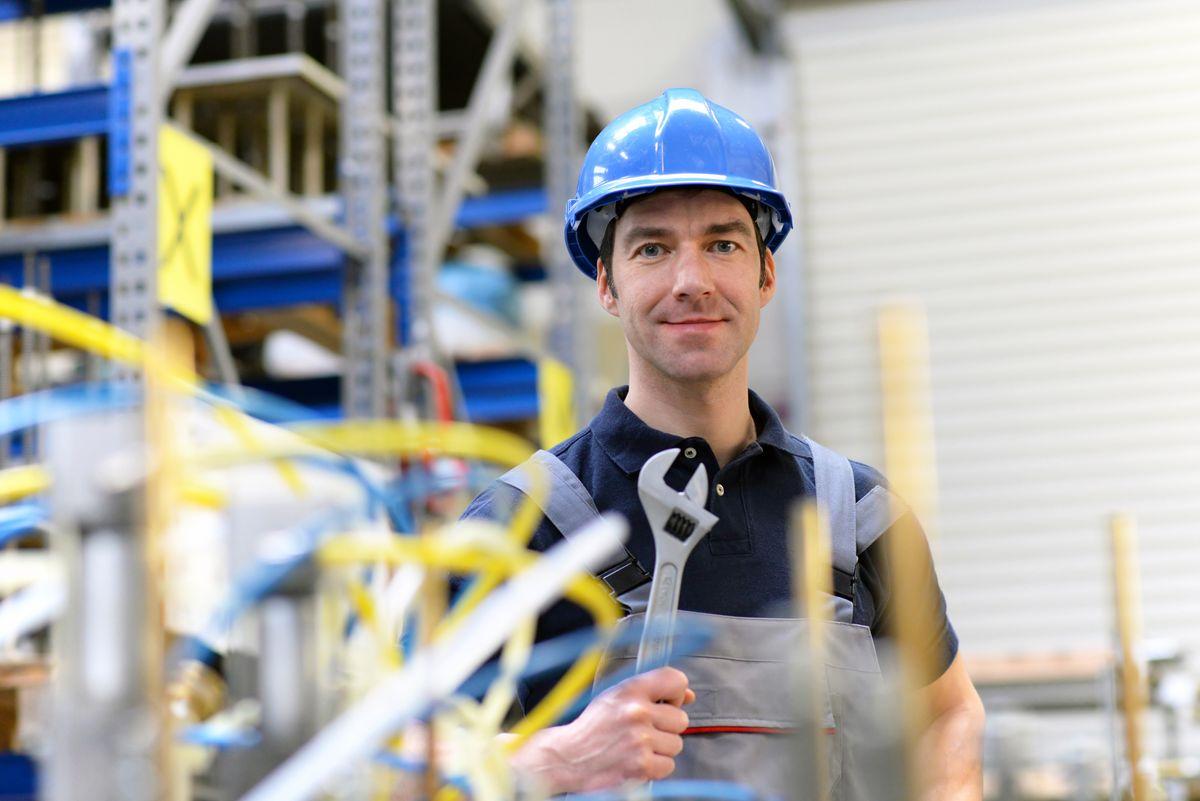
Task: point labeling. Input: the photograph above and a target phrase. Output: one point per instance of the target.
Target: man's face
(686, 268)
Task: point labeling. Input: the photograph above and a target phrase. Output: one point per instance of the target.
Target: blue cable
(678, 788)
(257, 582)
(46, 406)
(412, 766)
(216, 737)
(19, 520)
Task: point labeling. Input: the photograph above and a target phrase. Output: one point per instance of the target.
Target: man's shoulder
(496, 500)
(866, 477)
(571, 450)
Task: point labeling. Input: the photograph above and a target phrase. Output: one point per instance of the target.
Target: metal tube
(106, 731)
(313, 168)
(133, 142)
(563, 125)
(6, 383)
(414, 93)
(366, 282)
(287, 673)
(241, 174)
(278, 137)
(190, 19)
(3, 186)
(497, 66)
(29, 355)
(222, 356)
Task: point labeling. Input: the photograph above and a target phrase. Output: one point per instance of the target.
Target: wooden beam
(278, 136)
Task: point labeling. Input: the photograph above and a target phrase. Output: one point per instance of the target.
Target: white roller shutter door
(1031, 172)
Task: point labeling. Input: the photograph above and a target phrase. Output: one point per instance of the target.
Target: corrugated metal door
(1031, 172)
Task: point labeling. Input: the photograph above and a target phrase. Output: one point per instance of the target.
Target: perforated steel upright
(563, 127)
(414, 101)
(135, 114)
(366, 336)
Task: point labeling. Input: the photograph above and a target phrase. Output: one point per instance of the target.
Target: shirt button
(690, 453)
(720, 489)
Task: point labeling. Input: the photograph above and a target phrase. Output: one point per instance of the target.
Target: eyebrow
(643, 232)
(731, 227)
(716, 229)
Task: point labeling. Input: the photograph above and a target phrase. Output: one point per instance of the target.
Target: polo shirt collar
(630, 442)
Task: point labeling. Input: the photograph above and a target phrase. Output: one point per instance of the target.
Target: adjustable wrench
(678, 520)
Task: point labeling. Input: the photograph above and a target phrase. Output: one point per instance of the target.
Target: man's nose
(693, 274)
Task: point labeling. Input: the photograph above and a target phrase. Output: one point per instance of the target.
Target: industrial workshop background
(386, 183)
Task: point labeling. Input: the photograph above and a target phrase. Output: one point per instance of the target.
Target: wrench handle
(659, 630)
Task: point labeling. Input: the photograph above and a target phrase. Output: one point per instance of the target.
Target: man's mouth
(694, 323)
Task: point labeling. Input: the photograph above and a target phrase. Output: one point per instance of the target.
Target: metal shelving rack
(291, 249)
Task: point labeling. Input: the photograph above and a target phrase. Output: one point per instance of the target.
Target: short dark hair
(607, 243)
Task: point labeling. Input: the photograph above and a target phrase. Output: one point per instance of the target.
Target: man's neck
(717, 411)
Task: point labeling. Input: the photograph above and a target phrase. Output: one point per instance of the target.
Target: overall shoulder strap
(854, 525)
(569, 506)
(835, 495)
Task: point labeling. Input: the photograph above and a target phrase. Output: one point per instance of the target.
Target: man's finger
(662, 684)
(666, 744)
(659, 767)
(669, 718)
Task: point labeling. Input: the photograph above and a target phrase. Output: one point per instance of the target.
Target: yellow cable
(239, 424)
(502, 692)
(392, 437)
(364, 606)
(21, 482)
(520, 530)
(585, 590)
(198, 493)
(69, 326)
(92, 334)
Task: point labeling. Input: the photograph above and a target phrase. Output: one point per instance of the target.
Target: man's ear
(767, 290)
(607, 299)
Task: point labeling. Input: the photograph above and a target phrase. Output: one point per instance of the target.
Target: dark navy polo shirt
(742, 567)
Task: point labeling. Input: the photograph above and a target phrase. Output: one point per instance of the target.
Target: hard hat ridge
(678, 139)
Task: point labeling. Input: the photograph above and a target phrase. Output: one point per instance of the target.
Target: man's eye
(650, 251)
(725, 246)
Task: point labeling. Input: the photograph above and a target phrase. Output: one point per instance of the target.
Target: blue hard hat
(680, 138)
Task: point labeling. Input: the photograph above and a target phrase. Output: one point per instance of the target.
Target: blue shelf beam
(48, 117)
(500, 391)
(16, 9)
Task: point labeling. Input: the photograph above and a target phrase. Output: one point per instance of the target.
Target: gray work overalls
(741, 718)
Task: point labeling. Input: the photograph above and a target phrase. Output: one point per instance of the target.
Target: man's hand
(630, 732)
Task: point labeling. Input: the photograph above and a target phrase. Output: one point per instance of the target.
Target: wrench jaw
(696, 490)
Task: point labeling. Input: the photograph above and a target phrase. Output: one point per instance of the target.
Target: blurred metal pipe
(191, 18)
(245, 176)
(29, 346)
(222, 356)
(497, 66)
(6, 382)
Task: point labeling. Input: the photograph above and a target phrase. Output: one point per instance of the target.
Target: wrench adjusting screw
(680, 525)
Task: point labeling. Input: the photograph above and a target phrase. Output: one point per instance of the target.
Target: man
(676, 218)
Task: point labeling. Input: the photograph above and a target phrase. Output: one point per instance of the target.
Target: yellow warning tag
(185, 196)
(556, 402)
